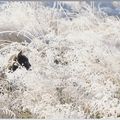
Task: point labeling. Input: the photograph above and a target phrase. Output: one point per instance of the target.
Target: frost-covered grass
(75, 62)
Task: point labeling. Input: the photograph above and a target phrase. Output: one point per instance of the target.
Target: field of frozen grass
(75, 62)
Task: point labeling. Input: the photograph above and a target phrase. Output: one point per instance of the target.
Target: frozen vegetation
(75, 58)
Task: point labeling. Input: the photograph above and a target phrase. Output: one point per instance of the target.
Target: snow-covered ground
(75, 62)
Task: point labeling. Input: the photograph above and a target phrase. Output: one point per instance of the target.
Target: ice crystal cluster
(75, 58)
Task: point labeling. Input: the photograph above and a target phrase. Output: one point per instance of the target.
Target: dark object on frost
(56, 61)
(19, 60)
(23, 61)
